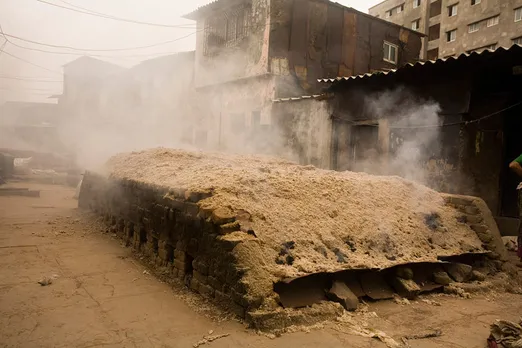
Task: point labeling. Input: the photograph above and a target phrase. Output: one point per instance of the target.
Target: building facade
(454, 27)
(449, 124)
(250, 52)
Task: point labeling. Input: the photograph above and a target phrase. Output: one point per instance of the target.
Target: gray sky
(37, 21)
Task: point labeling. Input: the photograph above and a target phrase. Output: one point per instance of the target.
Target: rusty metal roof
(464, 56)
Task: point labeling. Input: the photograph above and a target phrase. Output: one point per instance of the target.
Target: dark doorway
(512, 149)
(365, 146)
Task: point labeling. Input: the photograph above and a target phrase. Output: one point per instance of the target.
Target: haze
(41, 22)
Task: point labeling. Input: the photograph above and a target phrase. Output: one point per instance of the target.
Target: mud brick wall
(172, 232)
(478, 216)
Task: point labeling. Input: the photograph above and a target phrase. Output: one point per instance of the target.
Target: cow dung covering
(305, 220)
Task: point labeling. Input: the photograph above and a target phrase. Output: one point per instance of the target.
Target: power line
(439, 125)
(31, 63)
(28, 79)
(97, 50)
(102, 15)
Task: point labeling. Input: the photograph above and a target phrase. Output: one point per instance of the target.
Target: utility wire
(28, 79)
(21, 59)
(31, 63)
(438, 125)
(93, 49)
(102, 15)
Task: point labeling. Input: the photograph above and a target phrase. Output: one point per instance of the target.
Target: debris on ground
(45, 281)
(424, 335)
(401, 301)
(208, 339)
(505, 334)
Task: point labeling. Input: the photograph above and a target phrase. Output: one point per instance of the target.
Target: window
(493, 21)
(518, 14)
(475, 2)
(400, 8)
(517, 41)
(390, 52)
(434, 32)
(226, 29)
(389, 13)
(451, 35)
(416, 3)
(473, 27)
(415, 25)
(433, 54)
(435, 8)
(452, 10)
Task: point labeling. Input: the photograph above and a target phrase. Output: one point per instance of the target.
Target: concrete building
(451, 124)
(250, 52)
(454, 27)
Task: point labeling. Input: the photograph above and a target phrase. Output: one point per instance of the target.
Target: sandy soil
(101, 296)
(324, 221)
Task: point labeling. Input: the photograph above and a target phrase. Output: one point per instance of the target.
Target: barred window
(227, 29)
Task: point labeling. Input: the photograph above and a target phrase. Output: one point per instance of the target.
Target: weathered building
(457, 133)
(455, 27)
(249, 53)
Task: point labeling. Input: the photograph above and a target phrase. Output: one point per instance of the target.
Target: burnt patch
(432, 221)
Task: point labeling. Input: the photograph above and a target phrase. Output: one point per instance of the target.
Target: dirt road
(102, 297)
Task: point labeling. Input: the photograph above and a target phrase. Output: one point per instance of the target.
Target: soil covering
(305, 220)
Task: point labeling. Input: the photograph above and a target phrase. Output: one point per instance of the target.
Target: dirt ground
(103, 296)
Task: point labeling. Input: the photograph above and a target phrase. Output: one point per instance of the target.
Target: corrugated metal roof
(304, 97)
(486, 53)
(194, 14)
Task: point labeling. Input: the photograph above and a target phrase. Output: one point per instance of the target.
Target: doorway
(512, 149)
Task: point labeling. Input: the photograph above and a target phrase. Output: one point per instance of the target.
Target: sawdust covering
(309, 220)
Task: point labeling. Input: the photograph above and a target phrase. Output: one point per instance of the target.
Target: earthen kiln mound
(237, 229)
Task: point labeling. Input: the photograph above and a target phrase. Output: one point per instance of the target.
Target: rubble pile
(254, 232)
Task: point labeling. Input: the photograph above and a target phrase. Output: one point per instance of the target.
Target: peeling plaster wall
(306, 127)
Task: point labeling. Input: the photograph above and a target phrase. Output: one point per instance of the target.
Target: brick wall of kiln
(181, 240)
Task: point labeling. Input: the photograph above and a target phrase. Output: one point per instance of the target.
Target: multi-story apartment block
(457, 26)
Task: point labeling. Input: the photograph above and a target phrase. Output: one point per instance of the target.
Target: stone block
(226, 302)
(229, 228)
(459, 271)
(474, 219)
(442, 278)
(375, 287)
(341, 293)
(180, 255)
(479, 276)
(222, 216)
(239, 298)
(180, 265)
(478, 228)
(194, 284)
(471, 210)
(201, 266)
(406, 288)
(215, 283)
(404, 273)
(200, 277)
(206, 290)
(177, 205)
(192, 210)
